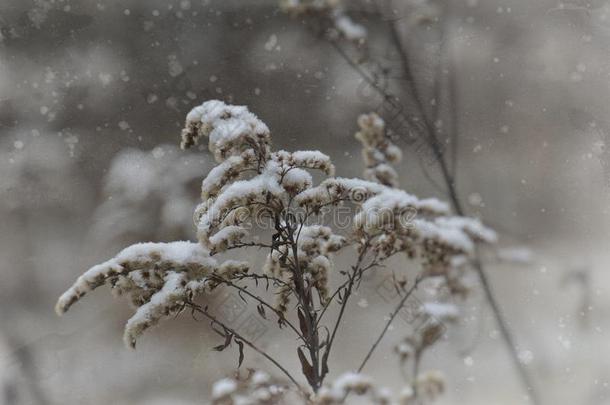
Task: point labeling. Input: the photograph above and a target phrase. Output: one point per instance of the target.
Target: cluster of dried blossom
(255, 388)
(378, 151)
(259, 388)
(156, 277)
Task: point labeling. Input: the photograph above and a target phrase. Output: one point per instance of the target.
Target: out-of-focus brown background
(93, 95)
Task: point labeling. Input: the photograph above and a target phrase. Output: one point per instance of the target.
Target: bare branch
(389, 322)
(344, 300)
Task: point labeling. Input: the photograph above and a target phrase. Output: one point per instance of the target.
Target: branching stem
(215, 320)
(437, 151)
(262, 302)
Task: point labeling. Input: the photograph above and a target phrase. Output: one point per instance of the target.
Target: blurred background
(93, 95)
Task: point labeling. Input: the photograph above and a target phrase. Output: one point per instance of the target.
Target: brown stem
(312, 338)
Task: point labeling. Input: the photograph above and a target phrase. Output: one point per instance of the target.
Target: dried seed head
(378, 151)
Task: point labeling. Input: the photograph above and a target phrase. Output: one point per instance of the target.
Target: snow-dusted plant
(255, 388)
(253, 187)
(259, 388)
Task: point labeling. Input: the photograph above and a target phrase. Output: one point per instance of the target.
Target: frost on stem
(331, 10)
(158, 278)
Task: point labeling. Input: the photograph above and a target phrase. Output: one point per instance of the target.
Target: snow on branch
(229, 129)
(157, 277)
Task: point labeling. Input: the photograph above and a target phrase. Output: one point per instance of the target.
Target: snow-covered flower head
(255, 388)
(252, 182)
(230, 129)
(158, 278)
(250, 179)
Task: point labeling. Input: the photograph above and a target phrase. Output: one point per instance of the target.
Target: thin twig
(343, 285)
(348, 292)
(505, 332)
(264, 277)
(445, 64)
(389, 322)
(249, 244)
(446, 53)
(454, 117)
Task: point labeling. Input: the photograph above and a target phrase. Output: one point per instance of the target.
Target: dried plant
(254, 187)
